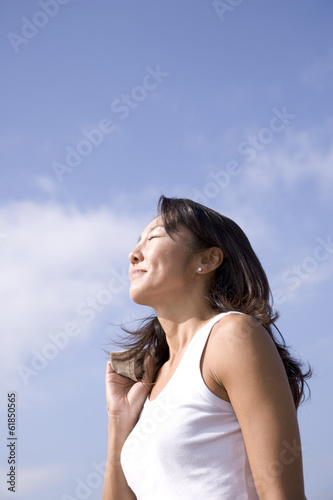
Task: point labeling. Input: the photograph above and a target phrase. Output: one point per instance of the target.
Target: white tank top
(187, 443)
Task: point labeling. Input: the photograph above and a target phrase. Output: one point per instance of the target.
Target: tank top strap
(200, 338)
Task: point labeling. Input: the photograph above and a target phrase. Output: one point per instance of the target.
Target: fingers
(109, 368)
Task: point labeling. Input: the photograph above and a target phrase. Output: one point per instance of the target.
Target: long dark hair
(239, 283)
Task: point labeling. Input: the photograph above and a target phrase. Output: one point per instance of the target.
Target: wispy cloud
(53, 260)
(304, 154)
(287, 161)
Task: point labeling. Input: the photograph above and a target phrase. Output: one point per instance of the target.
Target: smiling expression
(159, 265)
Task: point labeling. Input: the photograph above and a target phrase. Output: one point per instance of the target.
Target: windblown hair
(239, 283)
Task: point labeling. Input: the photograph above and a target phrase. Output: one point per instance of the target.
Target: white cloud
(303, 155)
(53, 259)
(291, 157)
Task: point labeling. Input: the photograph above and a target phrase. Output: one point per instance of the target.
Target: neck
(181, 324)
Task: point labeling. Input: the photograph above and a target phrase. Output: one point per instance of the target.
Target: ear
(210, 259)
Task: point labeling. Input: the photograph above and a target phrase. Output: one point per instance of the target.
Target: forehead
(155, 223)
(158, 223)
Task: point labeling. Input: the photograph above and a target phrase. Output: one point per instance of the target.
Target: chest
(167, 371)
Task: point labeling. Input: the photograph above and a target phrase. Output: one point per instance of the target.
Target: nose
(135, 256)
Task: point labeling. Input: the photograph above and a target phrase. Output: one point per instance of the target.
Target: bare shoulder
(243, 360)
(240, 346)
(236, 330)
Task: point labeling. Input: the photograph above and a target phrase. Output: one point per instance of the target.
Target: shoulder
(235, 330)
(240, 348)
(244, 361)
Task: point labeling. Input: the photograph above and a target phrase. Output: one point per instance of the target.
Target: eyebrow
(150, 230)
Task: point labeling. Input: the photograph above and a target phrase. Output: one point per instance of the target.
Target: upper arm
(244, 360)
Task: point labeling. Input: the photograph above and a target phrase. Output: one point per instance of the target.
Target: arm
(245, 362)
(125, 399)
(115, 486)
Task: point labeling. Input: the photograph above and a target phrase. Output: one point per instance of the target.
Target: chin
(139, 298)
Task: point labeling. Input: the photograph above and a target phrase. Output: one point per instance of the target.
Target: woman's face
(159, 268)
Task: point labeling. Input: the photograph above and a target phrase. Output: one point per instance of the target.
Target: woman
(214, 415)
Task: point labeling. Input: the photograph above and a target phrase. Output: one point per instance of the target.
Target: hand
(124, 397)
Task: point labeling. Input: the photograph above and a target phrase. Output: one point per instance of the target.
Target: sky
(105, 106)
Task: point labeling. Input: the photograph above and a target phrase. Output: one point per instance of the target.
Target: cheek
(167, 259)
(175, 262)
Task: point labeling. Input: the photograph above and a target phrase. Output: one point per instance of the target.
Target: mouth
(137, 272)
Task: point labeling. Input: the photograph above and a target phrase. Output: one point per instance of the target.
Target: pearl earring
(199, 269)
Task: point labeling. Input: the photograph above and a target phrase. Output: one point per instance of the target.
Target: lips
(137, 272)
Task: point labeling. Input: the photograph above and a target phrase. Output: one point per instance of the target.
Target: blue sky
(107, 105)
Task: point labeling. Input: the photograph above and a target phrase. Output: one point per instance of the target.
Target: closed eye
(152, 237)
